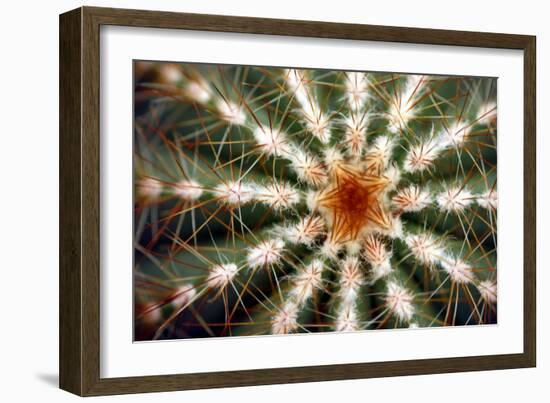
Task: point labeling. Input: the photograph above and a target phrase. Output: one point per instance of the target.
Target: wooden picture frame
(80, 200)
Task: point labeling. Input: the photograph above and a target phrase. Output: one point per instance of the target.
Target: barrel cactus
(272, 200)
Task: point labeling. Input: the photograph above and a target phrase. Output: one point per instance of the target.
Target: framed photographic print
(251, 201)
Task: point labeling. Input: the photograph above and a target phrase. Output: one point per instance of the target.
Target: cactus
(273, 201)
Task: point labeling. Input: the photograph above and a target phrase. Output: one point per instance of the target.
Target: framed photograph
(251, 201)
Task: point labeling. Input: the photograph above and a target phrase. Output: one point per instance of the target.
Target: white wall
(29, 198)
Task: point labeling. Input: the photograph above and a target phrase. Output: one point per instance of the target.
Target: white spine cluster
(221, 275)
(459, 271)
(402, 107)
(351, 278)
(231, 112)
(296, 82)
(278, 195)
(305, 231)
(265, 254)
(272, 142)
(411, 199)
(184, 295)
(380, 153)
(399, 302)
(353, 248)
(170, 73)
(355, 136)
(455, 199)
(347, 319)
(422, 156)
(189, 190)
(377, 255)
(425, 248)
(152, 314)
(487, 112)
(197, 91)
(488, 200)
(285, 320)
(308, 167)
(333, 159)
(306, 281)
(150, 188)
(317, 123)
(488, 291)
(235, 193)
(330, 249)
(456, 134)
(356, 90)
(393, 174)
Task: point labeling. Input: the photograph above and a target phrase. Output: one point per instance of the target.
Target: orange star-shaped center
(353, 203)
